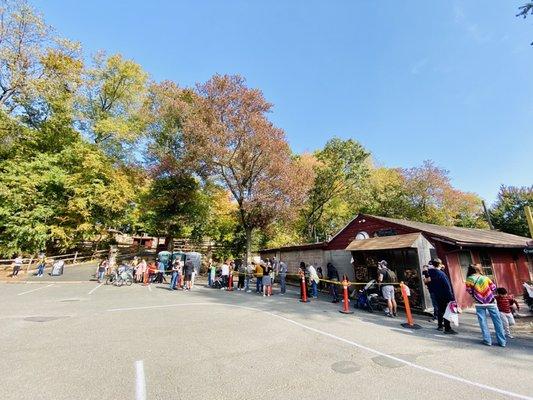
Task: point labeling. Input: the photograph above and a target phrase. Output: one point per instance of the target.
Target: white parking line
(34, 290)
(349, 342)
(140, 381)
(150, 288)
(93, 289)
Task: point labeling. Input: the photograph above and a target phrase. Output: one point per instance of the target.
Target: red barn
(408, 245)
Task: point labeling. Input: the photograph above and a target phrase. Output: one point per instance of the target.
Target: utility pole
(529, 218)
(487, 215)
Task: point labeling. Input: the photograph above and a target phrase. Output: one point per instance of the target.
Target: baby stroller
(368, 297)
(217, 282)
(528, 295)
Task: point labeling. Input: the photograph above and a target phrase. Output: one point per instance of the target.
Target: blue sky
(449, 81)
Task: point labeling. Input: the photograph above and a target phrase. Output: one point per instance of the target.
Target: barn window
(465, 259)
(486, 263)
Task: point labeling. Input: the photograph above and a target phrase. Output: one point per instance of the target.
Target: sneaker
(510, 336)
(440, 328)
(487, 343)
(388, 315)
(395, 315)
(451, 332)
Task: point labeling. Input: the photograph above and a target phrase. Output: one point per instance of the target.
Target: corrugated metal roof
(463, 236)
(306, 246)
(385, 242)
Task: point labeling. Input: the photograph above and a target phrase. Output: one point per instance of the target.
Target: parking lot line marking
(346, 341)
(34, 290)
(140, 381)
(93, 289)
(150, 288)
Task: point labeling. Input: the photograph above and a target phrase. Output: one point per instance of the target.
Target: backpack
(389, 276)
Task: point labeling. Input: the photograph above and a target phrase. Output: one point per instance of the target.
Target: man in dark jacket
(441, 290)
(333, 275)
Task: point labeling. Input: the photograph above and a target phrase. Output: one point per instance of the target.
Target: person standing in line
(248, 277)
(209, 278)
(187, 273)
(313, 279)
(242, 276)
(333, 275)
(193, 277)
(282, 271)
(225, 275)
(386, 277)
(320, 274)
(42, 264)
(441, 291)
(175, 275)
(267, 280)
(212, 272)
(141, 271)
(505, 303)
(481, 288)
(259, 277)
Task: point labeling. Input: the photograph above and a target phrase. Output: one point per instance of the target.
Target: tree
(113, 95)
(55, 200)
(525, 10)
(339, 171)
(247, 154)
(433, 199)
(508, 212)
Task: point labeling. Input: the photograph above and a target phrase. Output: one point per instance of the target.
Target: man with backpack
(386, 278)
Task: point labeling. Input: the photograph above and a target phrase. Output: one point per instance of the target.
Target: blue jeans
(314, 288)
(492, 310)
(209, 280)
(247, 283)
(282, 283)
(101, 275)
(259, 284)
(174, 280)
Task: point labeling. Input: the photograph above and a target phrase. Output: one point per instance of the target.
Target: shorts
(388, 292)
(267, 280)
(187, 277)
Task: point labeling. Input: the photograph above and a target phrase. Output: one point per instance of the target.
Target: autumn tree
(339, 171)
(508, 212)
(245, 153)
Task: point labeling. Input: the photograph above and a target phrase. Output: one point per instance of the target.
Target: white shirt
(225, 269)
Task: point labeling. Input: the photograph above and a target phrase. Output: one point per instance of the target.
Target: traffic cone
(346, 303)
(405, 295)
(303, 290)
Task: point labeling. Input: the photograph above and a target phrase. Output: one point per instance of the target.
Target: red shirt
(505, 302)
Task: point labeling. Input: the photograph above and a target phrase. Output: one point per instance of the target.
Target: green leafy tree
(508, 212)
(113, 95)
(339, 171)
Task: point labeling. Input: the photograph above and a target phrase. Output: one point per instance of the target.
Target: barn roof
(462, 236)
(405, 241)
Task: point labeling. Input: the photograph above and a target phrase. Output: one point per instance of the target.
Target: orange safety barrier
(303, 290)
(230, 282)
(405, 295)
(346, 301)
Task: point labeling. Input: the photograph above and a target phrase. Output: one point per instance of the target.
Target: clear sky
(450, 81)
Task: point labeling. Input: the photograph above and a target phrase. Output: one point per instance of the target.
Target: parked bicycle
(122, 276)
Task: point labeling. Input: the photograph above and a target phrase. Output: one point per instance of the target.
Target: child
(505, 303)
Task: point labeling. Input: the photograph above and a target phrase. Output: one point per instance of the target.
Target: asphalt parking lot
(69, 340)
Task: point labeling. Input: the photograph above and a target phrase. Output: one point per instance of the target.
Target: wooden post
(29, 264)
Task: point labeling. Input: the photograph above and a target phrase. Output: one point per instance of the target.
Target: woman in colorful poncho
(481, 288)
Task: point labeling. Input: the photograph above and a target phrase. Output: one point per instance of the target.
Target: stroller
(528, 294)
(217, 282)
(368, 297)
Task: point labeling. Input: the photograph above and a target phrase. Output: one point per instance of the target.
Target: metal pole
(487, 215)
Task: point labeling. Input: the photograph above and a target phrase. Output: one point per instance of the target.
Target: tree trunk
(248, 232)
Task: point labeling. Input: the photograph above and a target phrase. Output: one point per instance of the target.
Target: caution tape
(340, 283)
